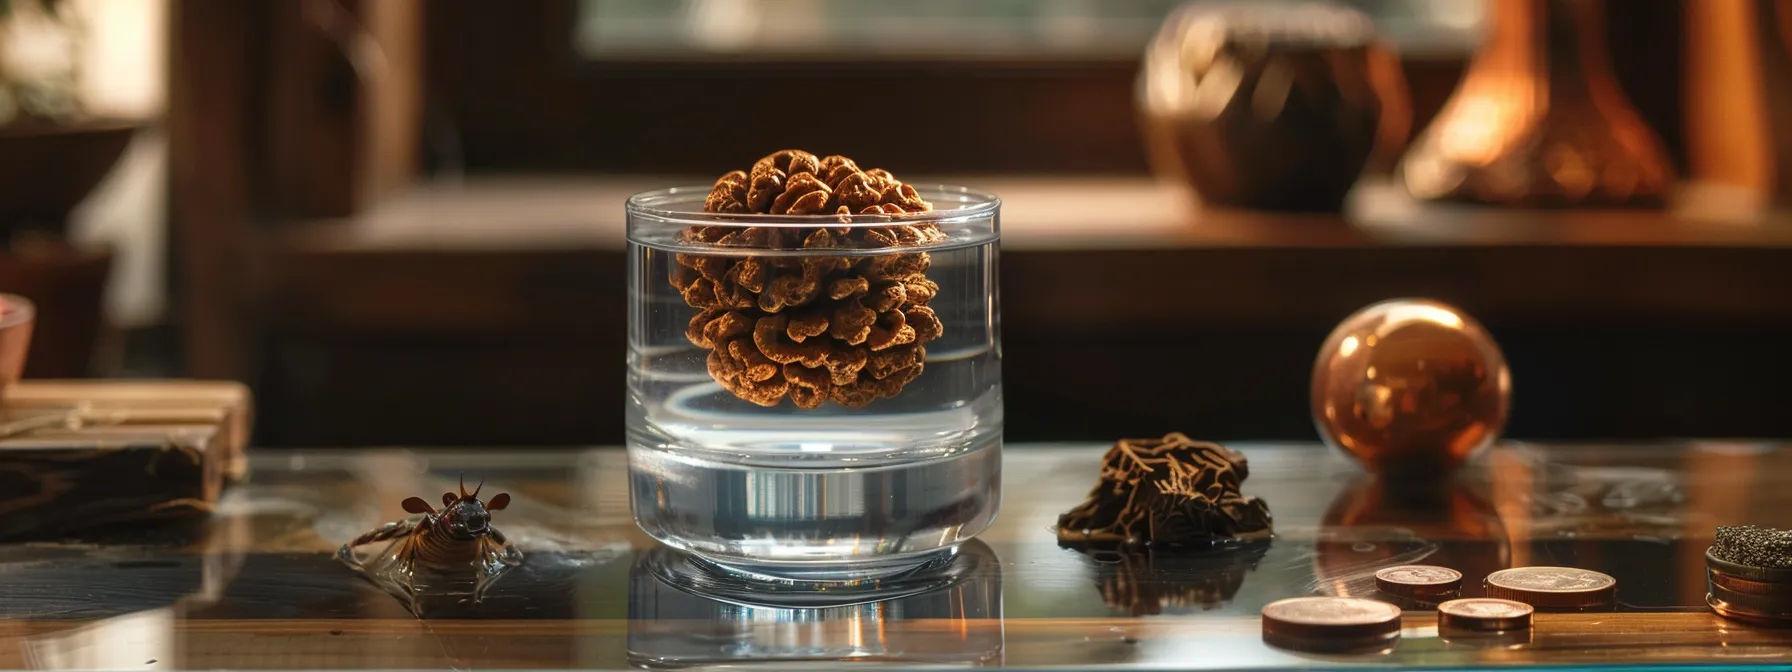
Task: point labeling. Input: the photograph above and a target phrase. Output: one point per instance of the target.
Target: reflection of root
(1146, 583)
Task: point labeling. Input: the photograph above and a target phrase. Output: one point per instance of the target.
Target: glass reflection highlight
(959, 623)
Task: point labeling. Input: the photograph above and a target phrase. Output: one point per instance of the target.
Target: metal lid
(1747, 572)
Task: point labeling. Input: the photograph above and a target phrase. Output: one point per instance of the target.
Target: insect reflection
(457, 537)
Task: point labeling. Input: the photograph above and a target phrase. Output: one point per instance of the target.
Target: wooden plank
(391, 115)
(59, 481)
(212, 176)
(224, 404)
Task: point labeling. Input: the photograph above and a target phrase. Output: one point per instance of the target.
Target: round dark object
(1419, 582)
(1553, 587)
(1485, 614)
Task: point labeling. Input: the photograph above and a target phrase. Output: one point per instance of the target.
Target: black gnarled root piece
(1167, 492)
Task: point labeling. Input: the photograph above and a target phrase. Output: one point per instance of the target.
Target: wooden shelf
(462, 256)
(506, 214)
(493, 312)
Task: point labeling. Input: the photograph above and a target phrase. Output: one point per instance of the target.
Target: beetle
(458, 535)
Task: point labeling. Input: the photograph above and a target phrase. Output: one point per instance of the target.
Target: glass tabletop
(257, 586)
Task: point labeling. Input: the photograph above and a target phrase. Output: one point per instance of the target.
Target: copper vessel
(1738, 102)
(1540, 120)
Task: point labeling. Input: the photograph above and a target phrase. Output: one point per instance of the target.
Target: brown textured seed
(849, 329)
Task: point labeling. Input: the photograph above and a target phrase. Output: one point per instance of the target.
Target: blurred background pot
(1268, 105)
(48, 168)
(1540, 119)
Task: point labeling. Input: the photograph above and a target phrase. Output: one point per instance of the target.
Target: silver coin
(1330, 611)
(1551, 579)
(1419, 575)
(1485, 607)
(1484, 613)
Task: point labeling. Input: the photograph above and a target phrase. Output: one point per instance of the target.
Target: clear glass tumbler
(814, 397)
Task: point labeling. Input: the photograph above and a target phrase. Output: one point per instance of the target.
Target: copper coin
(1418, 581)
(1484, 613)
(1334, 619)
(1552, 587)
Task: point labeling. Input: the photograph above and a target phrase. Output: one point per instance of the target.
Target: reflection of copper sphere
(1410, 383)
(1377, 523)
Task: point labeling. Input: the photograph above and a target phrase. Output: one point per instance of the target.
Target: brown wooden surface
(493, 311)
(257, 589)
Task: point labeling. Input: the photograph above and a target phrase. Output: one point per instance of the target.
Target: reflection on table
(256, 587)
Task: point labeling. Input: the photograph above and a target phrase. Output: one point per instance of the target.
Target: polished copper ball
(1410, 384)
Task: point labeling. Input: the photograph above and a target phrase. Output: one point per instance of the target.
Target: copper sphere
(1410, 384)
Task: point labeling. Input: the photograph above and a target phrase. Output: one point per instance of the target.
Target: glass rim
(973, 204)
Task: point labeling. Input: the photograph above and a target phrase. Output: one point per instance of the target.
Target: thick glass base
(788, 518)
(788, 587)
(748, 626)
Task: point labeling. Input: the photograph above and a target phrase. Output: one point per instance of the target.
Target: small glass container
(814, 397)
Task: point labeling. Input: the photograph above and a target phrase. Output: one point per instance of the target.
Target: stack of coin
(1554, 588)
(1331, 624)
(1484, 622)
(1419, 586)
(1757, 595)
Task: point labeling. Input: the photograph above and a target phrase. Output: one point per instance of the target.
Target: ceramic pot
(1269, 106)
